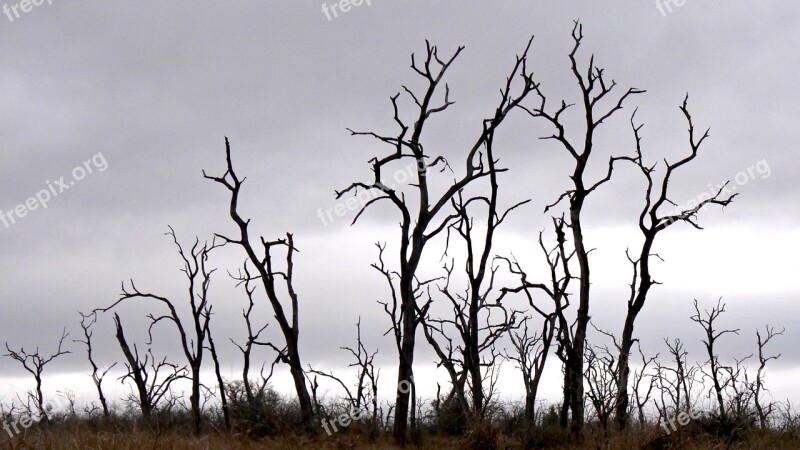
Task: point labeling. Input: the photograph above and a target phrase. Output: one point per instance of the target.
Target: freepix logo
(54, 189)
(343, 6)
(25, 6)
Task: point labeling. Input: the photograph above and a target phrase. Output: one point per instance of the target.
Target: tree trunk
(405, 373)
(575, 375)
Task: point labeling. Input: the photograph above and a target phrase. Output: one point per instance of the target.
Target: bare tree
(365, 394)
(152, 386)
(246, 279)
(716, 370)
(198, 275)
(270, 277)
(638, 376)
(477, 330)
(674, 383)
(600, 376)
(420, 226)
(757, 386)
(594, 89)
(651, 223)
(223, 399)
(531, 351)
(471, 309)
(87, 320)
(34, 363)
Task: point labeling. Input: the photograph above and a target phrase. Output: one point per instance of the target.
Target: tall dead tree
(651, 222)
(418, 227)
(193, 342)
(594, 89)
(34, 363)
(270, 276)
(87, 320)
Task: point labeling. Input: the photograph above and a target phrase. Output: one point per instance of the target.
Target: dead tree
(271, 277)
(594, 90)
(600, 376)
(223, 399)
(246, 279)
(476, 333)
(365, 394)
(716, 370)
(193, 342)
(396, 316)
(638, 376)
(674, 383)
(34, 363)
(147, 374)
(418, 227)
(757, 387)
(530, 351)
(472, 320)
(531, 357)
(741, 397)
(651, 222)
(254, 391)
(87, 320)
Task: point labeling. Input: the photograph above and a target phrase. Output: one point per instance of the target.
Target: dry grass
(80, 436)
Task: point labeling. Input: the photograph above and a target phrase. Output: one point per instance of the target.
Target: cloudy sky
(143, 94)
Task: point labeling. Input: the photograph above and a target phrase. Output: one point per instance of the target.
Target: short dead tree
(764, 410)
(87, 320)
(152, 378)
(35, 363)
(193, 337)
(721, 376)
(531, 350)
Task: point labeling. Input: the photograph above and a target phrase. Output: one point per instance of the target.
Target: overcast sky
(143, 94)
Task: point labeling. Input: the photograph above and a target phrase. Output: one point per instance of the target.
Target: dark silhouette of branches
(270, 277)
(151, 378)
(651, 222)
(554, 321)
(35, 363)
(597, 107)
(717, 371)
(757, 387)
(419, 226)
(198, 275)
(87, 320)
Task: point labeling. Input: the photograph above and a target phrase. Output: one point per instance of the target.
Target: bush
(269, 414)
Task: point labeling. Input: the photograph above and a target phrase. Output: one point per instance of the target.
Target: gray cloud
(155, 86)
